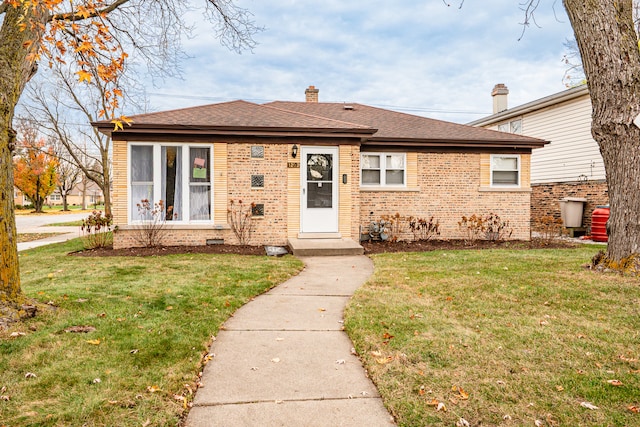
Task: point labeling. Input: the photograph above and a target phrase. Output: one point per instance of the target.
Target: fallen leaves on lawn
(94, 342)
(633, 408)
(462, 423)
(384, 360)
(589, 405)
(17, 334)
(461, 394)
(153, 388)
(615, 383)
(182, 399)
(30, 375)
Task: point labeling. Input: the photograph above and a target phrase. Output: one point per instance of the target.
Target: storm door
(319, 185)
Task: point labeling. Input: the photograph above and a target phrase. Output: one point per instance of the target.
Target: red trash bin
(599, 219)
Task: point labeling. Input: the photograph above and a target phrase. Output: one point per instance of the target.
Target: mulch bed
(369, 248)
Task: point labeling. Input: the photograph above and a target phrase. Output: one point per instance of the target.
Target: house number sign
(293, 165)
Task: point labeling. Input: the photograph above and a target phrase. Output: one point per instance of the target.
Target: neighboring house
(91, 195)
(571, 165)
(19, 199)
(314, 170)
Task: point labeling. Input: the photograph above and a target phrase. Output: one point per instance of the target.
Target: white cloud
(401, 53)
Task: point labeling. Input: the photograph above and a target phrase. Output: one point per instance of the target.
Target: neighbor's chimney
(499, 94)
(311, 93)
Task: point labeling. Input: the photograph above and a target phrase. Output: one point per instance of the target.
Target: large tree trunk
(16, 68)
(608, 45)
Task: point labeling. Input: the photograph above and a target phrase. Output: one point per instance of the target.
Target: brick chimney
(499, 94)
(311, 94)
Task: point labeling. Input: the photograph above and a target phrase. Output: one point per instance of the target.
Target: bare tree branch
(76, 16)
(529, 8)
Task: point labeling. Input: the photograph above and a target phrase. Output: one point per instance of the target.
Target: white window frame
(383, 169)
(515, 126)
(518, 169)
(157, 179)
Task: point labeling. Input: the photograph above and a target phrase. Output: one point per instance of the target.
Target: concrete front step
(324, 247)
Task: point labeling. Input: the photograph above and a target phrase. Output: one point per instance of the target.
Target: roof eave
(147, 129)
(538, 104)
(463, 143)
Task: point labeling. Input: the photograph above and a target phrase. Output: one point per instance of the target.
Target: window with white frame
(177, 175)
(514, 126)
(383, 169)
(505, 170)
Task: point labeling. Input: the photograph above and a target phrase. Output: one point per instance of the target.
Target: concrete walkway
(283, 359)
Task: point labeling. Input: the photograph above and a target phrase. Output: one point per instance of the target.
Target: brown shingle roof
(373, 126)
(401, 127)
(239, 115)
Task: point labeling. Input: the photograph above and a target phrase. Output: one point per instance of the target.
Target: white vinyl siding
(572, 154)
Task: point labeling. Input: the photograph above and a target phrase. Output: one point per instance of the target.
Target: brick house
(314, 170)
(571, 165)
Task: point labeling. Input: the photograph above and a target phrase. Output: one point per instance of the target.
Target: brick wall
(545, 197)
(445, 185)
(233, 172)
(450, 187)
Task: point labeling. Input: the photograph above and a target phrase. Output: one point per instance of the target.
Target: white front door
(319, 185)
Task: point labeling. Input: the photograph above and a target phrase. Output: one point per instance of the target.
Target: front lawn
(150, 321)
(500, 337)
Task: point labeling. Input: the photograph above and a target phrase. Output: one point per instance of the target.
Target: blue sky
(420, 57)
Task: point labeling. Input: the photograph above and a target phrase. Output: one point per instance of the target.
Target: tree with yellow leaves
(34, 171)
(91, 37)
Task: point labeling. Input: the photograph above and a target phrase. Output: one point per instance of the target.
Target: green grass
(529, 335)
(66, 224)
(154, 318)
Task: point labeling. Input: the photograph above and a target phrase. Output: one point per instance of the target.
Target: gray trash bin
(571, 210)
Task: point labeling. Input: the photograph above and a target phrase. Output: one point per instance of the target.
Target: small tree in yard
(153, 218)
(240, 218)
(97, 230)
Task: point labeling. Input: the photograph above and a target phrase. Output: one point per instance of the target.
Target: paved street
(39, 224)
